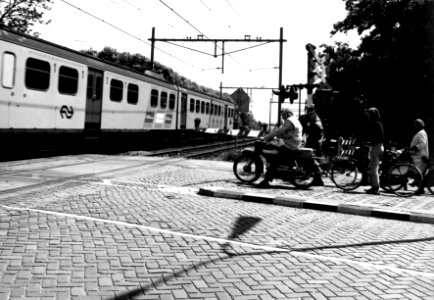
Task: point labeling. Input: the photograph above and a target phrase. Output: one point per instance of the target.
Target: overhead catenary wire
(121, 30)
(185, 20)
(147, 43)
(199, 31)
(205, 5)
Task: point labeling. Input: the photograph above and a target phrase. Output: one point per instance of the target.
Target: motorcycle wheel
(247, 168)
(303, 179)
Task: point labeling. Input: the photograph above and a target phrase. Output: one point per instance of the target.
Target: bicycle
(428, 177)
(408, 179)
(350, 172)
(403, 177)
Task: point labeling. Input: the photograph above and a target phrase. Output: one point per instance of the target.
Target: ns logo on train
(66, 112)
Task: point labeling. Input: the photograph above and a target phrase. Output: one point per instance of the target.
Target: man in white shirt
(419, 148)
(290, 133)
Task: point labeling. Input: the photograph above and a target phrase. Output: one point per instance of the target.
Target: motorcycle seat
(272, 152)
(305, 152)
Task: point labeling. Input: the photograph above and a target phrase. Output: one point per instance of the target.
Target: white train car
(49, 88)
(211, 112)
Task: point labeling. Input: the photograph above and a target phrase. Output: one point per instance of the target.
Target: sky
(126, 25)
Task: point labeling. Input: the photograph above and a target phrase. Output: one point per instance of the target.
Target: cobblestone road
(145, 233)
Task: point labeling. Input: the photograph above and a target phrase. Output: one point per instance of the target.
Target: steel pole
(152, 48)
(280, 72)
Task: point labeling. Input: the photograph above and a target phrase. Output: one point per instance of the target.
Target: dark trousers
(283, 155)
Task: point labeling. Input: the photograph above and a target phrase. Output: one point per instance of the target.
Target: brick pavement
(147, 234)
(329, 198)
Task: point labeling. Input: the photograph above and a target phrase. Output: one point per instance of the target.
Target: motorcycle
(298, 170)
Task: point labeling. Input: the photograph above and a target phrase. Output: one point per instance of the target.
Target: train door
(94, 99)
(226, 118)
(183, 124)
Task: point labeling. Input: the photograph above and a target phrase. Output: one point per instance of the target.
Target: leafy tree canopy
(21, 15)
(392, 68)
(140, 63)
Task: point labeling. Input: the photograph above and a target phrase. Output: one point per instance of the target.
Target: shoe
(373, 191)
(317, 181)
(264, 184)
(420, 192)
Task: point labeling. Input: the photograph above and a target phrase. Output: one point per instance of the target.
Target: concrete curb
(299, 202)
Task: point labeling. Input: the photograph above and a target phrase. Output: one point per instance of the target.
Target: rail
(201, 151)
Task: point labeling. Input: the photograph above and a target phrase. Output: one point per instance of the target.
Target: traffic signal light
(282, 93)
(314, 66)
(293, 95)
(285, 93)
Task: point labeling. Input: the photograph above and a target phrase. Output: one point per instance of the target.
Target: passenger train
(49, 88)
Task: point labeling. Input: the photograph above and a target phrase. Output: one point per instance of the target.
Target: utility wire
(232, 7)
(254, 46)
(121, 30)
(111, 25)
(188, 48)
(185, 20)
(138, 8)
(205, 5)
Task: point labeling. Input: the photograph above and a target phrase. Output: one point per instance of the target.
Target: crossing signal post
(313, 71)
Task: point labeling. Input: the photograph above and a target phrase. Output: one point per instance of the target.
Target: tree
(140, 63)
(393, 66)
(21, 15)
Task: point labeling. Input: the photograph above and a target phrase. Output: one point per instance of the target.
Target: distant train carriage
(47, 87)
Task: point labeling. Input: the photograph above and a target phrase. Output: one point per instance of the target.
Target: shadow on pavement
(242, 225)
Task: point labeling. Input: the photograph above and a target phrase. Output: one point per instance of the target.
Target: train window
(154, 98)
(37, 74)
(192, 105)
(116, 90)
(163, 100)
(212, 109)
(202, 107)
(68, 80)
(8, 70)
(133, 93)
(207, 108)
(172, 101)
(197, 106)
(220, 111)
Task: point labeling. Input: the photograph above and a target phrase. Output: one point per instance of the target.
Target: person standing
(375, 137)
(314, 137)
(419, 149)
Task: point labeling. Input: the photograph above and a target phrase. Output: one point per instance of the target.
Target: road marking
(149, 187)
(226, 241)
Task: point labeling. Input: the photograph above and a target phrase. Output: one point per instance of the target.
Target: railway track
(200, 151)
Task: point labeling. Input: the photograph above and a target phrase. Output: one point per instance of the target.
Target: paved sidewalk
(330, 198)
(109, 227)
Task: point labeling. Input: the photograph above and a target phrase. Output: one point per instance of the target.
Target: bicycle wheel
(404, 179)
(429, 179)
(247, 168)
(344, 174)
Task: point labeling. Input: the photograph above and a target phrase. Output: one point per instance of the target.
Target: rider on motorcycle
(290, 139)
